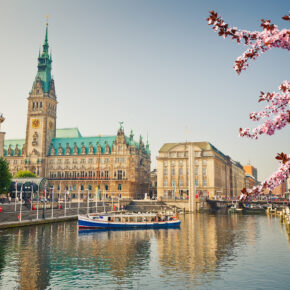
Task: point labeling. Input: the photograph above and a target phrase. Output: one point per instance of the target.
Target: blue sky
(154, 64)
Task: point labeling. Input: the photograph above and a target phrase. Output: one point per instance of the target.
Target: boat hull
(86, 223)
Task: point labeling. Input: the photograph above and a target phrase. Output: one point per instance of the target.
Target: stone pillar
(2, 136)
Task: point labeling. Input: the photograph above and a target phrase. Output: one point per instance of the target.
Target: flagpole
(20, 217)
(69, 194)
(16, 196)
(88, 205)
(65, 202)
(52, 194)
(37, 203)
(31, 198)
(104, 202)
(79, 199)
(96, 200)
(59, 195)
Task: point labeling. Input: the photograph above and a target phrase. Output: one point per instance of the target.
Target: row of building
(116, 165)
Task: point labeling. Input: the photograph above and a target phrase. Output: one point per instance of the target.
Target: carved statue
(9, 152)
(67, 149)
(76, 150)
(91, 150)
(52, 150)
(34, 139)
(83, 150)
(60, 150)
(16, 152)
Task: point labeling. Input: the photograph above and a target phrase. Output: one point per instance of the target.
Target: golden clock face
(35, 123)
(50, 125)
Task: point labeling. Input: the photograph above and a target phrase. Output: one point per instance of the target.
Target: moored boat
(127, 221)
(235, 208)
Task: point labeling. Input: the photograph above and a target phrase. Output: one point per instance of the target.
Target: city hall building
(117, 164)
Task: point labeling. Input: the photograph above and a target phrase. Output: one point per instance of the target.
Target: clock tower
(41, 115)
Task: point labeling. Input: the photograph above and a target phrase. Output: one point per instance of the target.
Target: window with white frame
(204, 162)
(172, 171)
(165, 183)
(180, 171)
(204, 171)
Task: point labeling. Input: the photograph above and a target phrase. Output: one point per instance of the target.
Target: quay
(58, 212)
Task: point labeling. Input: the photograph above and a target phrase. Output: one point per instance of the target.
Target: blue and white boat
(111, 221)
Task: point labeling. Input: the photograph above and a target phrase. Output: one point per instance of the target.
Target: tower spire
(45, 44)
(44, 64)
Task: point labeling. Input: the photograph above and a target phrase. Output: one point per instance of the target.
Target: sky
(154, 64)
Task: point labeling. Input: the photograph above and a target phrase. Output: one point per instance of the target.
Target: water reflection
(57, 256)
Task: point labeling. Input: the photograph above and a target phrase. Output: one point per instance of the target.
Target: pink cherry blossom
(276, 113)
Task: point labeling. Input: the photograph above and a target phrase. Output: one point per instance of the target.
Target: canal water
(207, 252)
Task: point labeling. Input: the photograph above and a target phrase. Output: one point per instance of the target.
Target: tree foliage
(5, 176)
(24, 174)
(276, 111)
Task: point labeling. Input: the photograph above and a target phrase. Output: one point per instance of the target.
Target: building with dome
(117, 165)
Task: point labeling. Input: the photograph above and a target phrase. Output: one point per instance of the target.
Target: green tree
(24, 174)
(5, 176)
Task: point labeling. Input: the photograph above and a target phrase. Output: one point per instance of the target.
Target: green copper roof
(71, 137)
(79, 142)
(68, 133)
(44, 66)
(12, 144)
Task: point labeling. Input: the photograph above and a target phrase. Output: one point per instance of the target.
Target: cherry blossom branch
(278, 103)
(259, 41)
(278, 108)
(273, 181)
